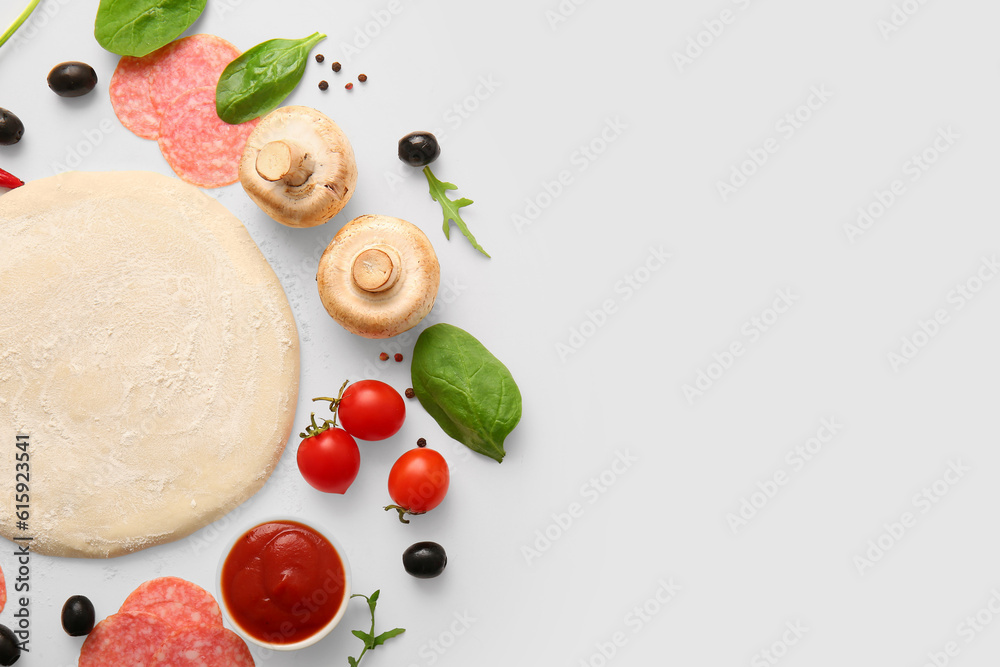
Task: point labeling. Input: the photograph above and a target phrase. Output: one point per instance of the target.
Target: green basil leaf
(139, 27)
(469, 392)
(259, 80)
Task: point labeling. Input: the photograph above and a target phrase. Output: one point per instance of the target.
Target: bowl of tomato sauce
(284, 585)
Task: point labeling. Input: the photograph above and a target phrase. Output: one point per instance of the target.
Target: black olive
(72, 79)
(78, 616)
(425, 560)
(11, 128)
(419, 148)
(10, 650)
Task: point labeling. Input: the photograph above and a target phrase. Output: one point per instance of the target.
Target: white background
(605, 386)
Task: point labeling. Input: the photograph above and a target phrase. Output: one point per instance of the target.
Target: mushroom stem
(376, 268)
(282, 160)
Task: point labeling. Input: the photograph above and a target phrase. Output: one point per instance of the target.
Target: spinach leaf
(469, 392)
(259, 80)
(139, 27)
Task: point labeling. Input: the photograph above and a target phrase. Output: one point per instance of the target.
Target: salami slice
(142, 88)
(202, 149)
(125, 639)
(129, 88)
(156, 595)
(181, 615)
(187, 63)
(203, 646)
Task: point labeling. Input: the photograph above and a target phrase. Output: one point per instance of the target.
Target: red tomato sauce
(282, 582)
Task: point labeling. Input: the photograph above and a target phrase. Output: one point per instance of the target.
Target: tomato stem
(402, 512)
(334, 402)
(316, 429)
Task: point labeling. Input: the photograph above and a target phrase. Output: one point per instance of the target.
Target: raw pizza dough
(148, 350)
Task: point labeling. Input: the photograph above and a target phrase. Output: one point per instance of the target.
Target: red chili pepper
(8, 180)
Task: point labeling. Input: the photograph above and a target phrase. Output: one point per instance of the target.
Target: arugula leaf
(139, 27)
(369, 638)
(389, 634)
(450, 207)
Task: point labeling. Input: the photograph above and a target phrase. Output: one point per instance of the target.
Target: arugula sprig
(450, 207)
(18, 21)
(369, 638)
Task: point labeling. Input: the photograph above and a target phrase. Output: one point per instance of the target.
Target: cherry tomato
(371, 410)
(330, 460)
(418, 482)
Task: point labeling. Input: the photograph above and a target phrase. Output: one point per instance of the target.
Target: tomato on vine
(371, 410)
(418, 482)
(328, 457)
(329, 460)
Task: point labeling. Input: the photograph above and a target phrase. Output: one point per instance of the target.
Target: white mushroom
(379, 276)
(298, 167)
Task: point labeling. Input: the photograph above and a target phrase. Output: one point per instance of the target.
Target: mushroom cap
(379, 276)
(325, 156)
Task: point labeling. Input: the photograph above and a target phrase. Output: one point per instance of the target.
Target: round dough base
(148, 352)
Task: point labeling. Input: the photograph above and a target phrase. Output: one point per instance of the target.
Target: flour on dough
(148, 350)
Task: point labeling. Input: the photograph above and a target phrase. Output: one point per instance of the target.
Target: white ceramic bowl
(315, 637)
